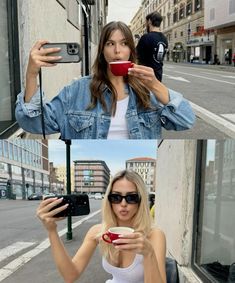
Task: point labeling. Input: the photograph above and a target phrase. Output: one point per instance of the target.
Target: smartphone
(70, 52)
(78, 205)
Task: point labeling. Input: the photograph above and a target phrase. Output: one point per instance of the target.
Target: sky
(114, 153)
(122, 10)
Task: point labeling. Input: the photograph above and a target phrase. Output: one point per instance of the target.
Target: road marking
(230, 117)
(231, 77)
(177, 78)
(13, 249)
(216, 121)
(14, 265)
(203, 77)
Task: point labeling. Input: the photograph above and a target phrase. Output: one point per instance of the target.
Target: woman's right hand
(46, 214)
(38, 58)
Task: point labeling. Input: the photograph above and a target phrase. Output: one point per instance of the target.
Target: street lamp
(68, 174)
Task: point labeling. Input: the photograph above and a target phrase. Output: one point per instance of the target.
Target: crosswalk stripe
(11, 267)
(13, 249)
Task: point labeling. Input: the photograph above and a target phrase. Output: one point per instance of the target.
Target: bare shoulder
(93, 232)
(158, 235)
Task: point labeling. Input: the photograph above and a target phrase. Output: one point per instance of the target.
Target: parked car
(98, 196)
(35, 196)
(49, 195)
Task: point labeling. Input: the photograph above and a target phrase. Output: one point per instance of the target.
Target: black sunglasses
(131, 199)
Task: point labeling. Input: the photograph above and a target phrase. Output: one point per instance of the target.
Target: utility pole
(68, 187)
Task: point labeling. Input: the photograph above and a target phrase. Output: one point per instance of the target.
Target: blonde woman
(141, 256)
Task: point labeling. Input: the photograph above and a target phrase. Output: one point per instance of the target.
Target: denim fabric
(66, 114)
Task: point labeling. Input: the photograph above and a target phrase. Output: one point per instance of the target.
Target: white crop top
(118, 125)
(134, 273)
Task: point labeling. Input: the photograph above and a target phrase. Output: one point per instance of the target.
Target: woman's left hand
(145, 75)
(135, 242)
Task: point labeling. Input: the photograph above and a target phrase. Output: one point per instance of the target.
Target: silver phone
(70, 52)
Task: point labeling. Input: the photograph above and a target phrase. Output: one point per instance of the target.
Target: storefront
(226, 44)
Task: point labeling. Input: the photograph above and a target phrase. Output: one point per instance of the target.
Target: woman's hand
(145, 75)
(135, 242)
(38, 58)
(46, 215)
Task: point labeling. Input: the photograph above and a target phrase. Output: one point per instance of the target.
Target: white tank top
(118, 125)
(134, 273)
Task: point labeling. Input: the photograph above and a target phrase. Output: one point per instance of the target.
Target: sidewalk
(228, 68)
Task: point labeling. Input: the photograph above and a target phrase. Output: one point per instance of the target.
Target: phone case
(78, 205)
(70, 52)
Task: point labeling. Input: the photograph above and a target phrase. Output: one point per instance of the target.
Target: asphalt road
(211, 90)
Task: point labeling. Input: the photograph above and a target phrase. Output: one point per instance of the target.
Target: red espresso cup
(120, 68)
(113, 233)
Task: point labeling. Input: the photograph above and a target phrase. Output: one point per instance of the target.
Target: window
(215, 213)
(9, 66)
(189, 8)
(231, 7)
(182, 11)
(198, 5)
(175, 15)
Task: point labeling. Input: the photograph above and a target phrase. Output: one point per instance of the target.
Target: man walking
(152, 46)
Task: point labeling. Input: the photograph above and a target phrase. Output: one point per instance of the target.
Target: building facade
(91, 176)
(220, 17)
(24, 168)
(200, 198)
(57, 186)
(145, 167)
(204, 29)
(25, 22)
(61, 175)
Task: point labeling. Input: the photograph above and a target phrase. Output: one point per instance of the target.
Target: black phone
(78, 205)
(70, 52)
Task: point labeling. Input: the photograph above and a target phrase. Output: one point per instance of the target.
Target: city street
(30, 260)
(210, 89)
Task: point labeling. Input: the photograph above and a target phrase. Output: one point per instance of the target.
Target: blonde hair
(142, 220)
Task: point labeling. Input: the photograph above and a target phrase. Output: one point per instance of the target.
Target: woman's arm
(37, 59)
(69, 268)
(147, 77)
(155, 260)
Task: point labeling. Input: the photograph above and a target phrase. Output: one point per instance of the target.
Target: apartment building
(25, 22)
(24, 168)
(57, 184)
(62, 176)
(91, 176)
(145, 167)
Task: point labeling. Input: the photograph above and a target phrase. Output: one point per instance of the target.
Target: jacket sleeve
(178, 114)
(29, 117)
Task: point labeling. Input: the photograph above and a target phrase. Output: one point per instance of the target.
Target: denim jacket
(66, 114)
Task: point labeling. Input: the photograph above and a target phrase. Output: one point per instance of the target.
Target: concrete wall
(175, 200)
(47, 19)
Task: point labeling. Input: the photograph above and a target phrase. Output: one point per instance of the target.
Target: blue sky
(122, 10)
(114, 153)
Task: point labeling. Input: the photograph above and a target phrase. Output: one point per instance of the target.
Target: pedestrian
(234, 59)
(102, 105)
(191, 58)
(153, 45)
(136, 257)
(227, 58)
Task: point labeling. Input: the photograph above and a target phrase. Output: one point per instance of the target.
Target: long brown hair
(100, 77)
